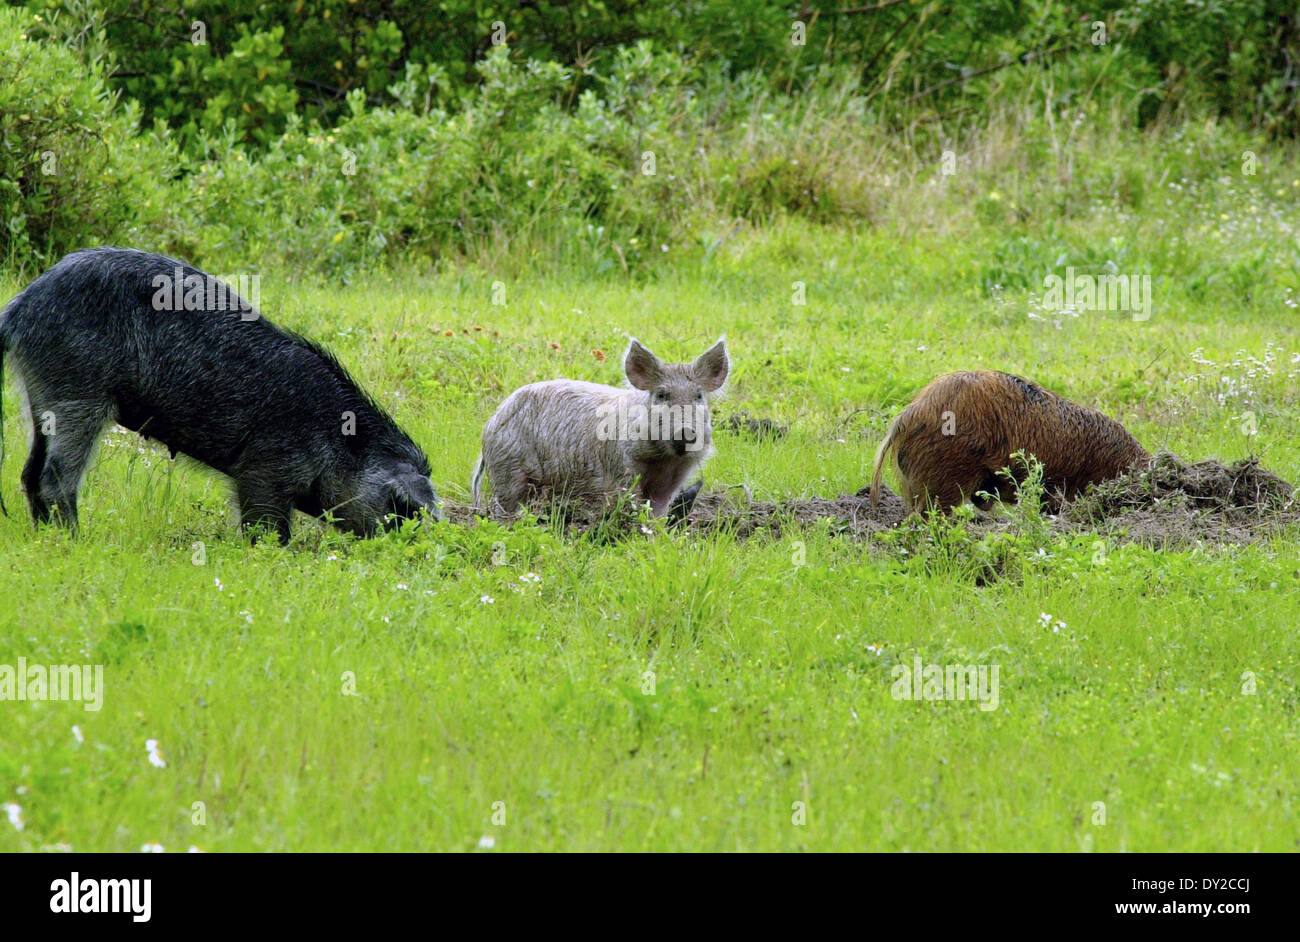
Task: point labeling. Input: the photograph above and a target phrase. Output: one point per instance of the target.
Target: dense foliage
(73, 168)
(335, 134)
(200, 65)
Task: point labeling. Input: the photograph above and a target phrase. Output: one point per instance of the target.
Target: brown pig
(962, 429)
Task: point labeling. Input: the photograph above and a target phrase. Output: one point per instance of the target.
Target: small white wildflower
(487, 842)
(155, 754)
(76, 731)
(486, 600)
(151, 849)
(15, 813)
(220, 587)
(402, 586)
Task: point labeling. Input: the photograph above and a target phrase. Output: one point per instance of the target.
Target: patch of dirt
(456, 512)
(852, 513)
(1245, 487)
(732, 509)
(1170, 503)
(1174, 502)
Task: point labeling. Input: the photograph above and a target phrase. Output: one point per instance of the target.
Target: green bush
(626, 153)
(74, 170)
(254, 63)
(512, 165)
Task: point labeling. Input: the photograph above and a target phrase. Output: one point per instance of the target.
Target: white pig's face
(676, 400)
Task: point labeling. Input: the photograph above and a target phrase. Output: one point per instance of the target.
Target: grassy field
(459, 688)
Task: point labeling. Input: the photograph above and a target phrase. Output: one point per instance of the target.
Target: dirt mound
(1172, 501)
(853, 513)
(733, 509)
(1246, 486)
(1169, 503)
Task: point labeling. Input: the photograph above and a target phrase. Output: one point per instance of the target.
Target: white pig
(586, 442)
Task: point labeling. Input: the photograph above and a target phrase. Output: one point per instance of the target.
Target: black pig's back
(218, 383)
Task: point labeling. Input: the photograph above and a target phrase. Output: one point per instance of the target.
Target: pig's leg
(684, 502)
(65, 436)
(260, 503)
(658, 506)
(32, 477)
(510, 490)
(659, 489)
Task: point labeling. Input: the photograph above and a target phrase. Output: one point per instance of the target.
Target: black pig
(115, 335)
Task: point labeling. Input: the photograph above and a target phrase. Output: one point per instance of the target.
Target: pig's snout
(685, 440)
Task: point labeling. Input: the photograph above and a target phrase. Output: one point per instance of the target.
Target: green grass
(772, 681)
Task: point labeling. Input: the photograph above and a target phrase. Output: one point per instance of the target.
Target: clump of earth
(1170, 503)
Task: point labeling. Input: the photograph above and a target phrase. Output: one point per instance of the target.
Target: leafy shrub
(612, 160)
(73, 168)
(252, 64)
(511, 164)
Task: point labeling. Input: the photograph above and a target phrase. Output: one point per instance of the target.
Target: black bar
(301, 891)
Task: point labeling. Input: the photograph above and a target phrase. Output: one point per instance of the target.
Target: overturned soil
(853, 513)
(1173, 501)
(1169, 503)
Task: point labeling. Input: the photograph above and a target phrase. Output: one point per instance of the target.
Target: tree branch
(1022, 59)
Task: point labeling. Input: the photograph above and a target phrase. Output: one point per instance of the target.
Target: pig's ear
(644, 371)
(711, 368)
